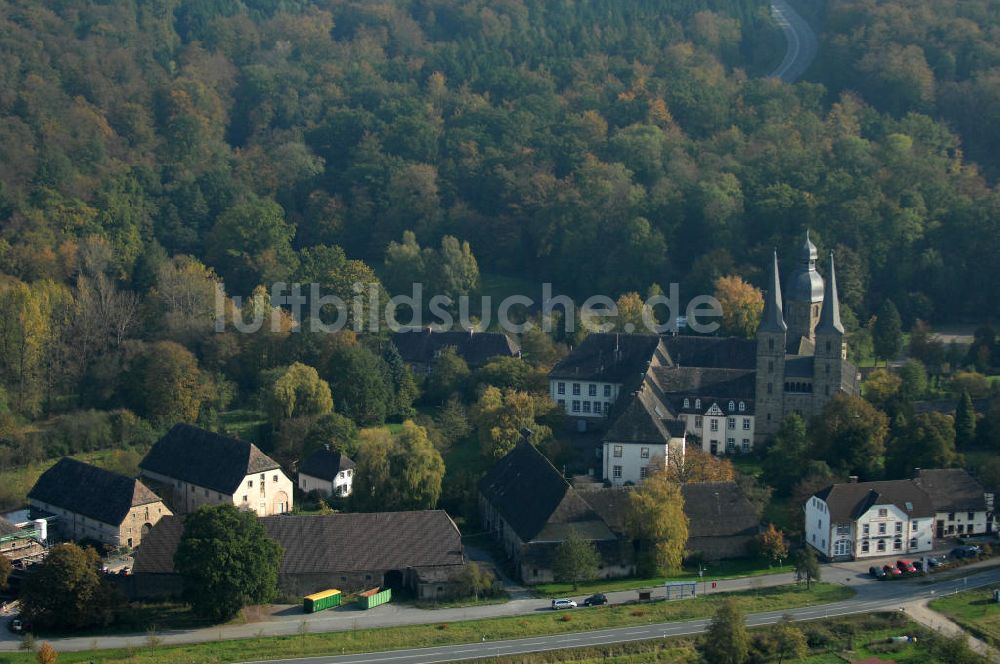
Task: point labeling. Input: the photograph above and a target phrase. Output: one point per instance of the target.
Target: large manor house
(653, 395)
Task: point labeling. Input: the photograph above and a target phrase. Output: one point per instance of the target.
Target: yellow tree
(499, 418)
(696, 465)
(771, 545)
(656, 519)
(742, 305)
(630, 306)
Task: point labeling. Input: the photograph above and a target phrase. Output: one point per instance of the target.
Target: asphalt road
(802, 44)
(872, 596)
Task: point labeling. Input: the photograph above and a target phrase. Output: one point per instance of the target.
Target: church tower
(771, 339)
(828, 366)
(803, 300)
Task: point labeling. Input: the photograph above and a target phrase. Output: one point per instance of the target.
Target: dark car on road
(596, 600)
(877, 572)
(967, 551)
(934, 563)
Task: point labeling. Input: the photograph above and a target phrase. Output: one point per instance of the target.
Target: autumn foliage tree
(771, 545)
(742, 306)
(656, 519)
(697, 465)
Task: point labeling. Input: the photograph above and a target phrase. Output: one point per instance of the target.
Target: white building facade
(584, 398)
(340, 486)
(629, 463)
(725, 427)
(869, 520)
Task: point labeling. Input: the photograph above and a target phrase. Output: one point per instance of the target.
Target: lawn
(243, 424)
(715, 571)
(415, 636)
(974, 610)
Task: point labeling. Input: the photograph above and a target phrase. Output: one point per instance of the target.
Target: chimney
(853, 479)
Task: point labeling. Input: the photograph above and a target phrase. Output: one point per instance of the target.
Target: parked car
(563, 604)
(933, 562)
(877, 572)
(967, 551)
(906, 566)
(892, 572)
(596, 600)
(18, 626)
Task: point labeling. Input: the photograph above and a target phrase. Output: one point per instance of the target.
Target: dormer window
(732, 406)
(687, 403)
(743, 406)
(697, 403)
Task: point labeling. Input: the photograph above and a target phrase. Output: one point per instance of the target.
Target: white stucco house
(642, 434)
(859, 520)
(191, 467)
(961, 505)
(328, 471)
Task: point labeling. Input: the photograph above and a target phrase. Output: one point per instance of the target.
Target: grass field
(974, 610)
(243, 424)
(369, 640)
(715, 571)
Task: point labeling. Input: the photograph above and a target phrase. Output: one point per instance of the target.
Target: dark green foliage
(807, 565)
(448, 377)
(360, 385)
(965, 422)
(227, 561)
(786, 454)
(66, 591)
(727, 640)
(888, 333)
(926, 441)
(575, 560)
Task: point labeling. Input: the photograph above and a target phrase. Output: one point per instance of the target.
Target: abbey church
(652, 396)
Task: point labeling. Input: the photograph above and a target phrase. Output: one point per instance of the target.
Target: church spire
(829, 319)
(773, 319)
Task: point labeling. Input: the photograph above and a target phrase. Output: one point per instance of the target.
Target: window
(576, 389)
(644, 453)
(206, 493)
(561, 388)
(576, 406)
(274, 478)
(607, 407)
(951, 516)
(843, 529)
(743, 406)
(883, 512)
(915, 525)
(897, 545)
(770, 366)
(607, 391)
(562, 404)
(746, 424)
(746, 445)
(697, 403)
(586, 406)
(250, 484)
(697, 422)
(880, 545)
(770, 344)
(617, 451)
(616, 472)
(730, 445)
(913, 543)
(899, 526)
(881, 529)
(714, 425)
(971, 516)
(687, 403)
(643, 472)
(731, 423)
(732, 406)
(262, 478)
(592, 390)
(864, 547)
(244, 499)
(770, 390)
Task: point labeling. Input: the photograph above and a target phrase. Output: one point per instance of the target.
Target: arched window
(770, 344)
(687, 402)
(743, 406)
(828, 345)
(697, 403)
(732, 406)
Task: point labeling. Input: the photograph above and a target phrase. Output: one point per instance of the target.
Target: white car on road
(563, 604)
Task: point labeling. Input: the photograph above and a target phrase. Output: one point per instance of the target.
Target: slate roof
(713, 509)
(773, 319)
(639, 421)
(707, 383)
(194, 455)
(847, 502)
(952, 490)
(91, 491)
(596, 359)
(799, 366)
(535, 500)
(711, 352)
(325, 464)
(718, 509)
(332, 543)
(477, 348)
(805, 284)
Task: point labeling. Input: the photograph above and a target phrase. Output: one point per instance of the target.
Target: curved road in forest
(802, 44)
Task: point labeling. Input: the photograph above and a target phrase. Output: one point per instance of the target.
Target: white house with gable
(860, 520)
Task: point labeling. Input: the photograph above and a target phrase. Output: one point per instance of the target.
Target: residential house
(642, 434)
(961, 505)
(417, 553)
(91, 503)
(192, 467)
(420, 348)
(328, 471)
(860, 520)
